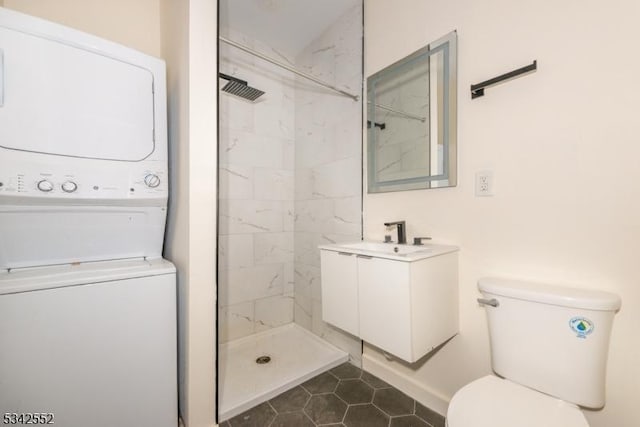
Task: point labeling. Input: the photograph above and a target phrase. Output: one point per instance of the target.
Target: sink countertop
(405, 252)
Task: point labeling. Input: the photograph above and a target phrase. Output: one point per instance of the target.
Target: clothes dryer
(83, 147)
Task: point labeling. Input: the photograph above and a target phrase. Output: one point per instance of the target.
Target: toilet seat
(495, 402)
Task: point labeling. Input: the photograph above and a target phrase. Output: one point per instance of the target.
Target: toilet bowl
(495, 402)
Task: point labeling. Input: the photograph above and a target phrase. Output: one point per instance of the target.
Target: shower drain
(263, 359)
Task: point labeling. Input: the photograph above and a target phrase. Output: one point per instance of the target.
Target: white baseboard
(407, 385)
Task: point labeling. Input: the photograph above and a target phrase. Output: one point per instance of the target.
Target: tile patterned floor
(344, 396)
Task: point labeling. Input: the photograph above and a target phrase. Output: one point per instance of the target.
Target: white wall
(255, 193)
(328, 152)
(189, 35)
(135, 24)
(563, 144)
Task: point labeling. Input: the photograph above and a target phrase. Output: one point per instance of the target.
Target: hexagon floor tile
(323, 383)
(292, 419)
(325, 408)
(258, 416)
(354, 391)
(408, 421)
(394, 402)
(344, 396)
(365, 416)
(291, 400)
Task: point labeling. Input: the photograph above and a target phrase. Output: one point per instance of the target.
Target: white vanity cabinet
(339, 273)
(405, 305)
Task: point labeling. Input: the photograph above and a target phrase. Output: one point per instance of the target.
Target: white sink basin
(391, 250)
(387, 248)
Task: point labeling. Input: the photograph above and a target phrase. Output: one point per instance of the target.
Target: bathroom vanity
(400, 298)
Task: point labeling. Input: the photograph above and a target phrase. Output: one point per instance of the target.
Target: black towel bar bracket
(378, 125)
(477, 90)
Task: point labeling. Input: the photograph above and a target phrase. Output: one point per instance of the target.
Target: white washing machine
(87, 304)
(90, 345)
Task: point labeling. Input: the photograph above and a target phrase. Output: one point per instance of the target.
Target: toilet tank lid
(589, 299)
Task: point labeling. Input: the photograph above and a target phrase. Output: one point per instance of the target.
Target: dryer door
(64, 100)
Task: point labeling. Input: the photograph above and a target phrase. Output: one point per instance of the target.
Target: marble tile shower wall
(328, 166)
(401, 151)
(256, 195)
(290, 179)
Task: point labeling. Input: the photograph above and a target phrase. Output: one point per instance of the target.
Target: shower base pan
(296, 355)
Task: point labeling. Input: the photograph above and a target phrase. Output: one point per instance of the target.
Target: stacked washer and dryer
(87, 304)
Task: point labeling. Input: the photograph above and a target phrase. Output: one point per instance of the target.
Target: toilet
(549, 348)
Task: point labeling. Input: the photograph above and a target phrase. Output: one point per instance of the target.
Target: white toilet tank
(550, 338)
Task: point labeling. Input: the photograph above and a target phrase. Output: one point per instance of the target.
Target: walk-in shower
(290, 162)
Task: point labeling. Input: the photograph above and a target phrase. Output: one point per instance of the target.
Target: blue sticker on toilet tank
(581, 326)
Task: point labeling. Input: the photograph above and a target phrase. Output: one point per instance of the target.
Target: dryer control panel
(145, 184)
(125, 182)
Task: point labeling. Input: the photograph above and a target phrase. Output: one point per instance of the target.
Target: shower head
(240, 88)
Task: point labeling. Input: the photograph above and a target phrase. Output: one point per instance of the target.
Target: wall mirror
(411, 119)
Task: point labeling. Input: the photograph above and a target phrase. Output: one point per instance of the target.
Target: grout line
(333, 375)
(274, 410)
(307, 401)
(347, 403)
(344, 416)
(381, 410)
(336, 387)
(308, 417)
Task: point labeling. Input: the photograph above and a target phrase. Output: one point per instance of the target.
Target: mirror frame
(448, 46)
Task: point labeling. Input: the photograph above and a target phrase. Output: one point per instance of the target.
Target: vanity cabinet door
(385, 305)
(339, 272)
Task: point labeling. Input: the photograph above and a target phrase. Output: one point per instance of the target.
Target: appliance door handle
(492, 302)
(1, 78)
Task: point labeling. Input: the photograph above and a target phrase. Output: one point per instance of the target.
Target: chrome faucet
(400, 226)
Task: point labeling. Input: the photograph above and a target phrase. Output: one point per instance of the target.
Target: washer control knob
(69, 187)
(152, 180)
(45, 186)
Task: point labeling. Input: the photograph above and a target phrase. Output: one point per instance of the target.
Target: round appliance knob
(69, 187)
(152, 180)
(45, 186)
